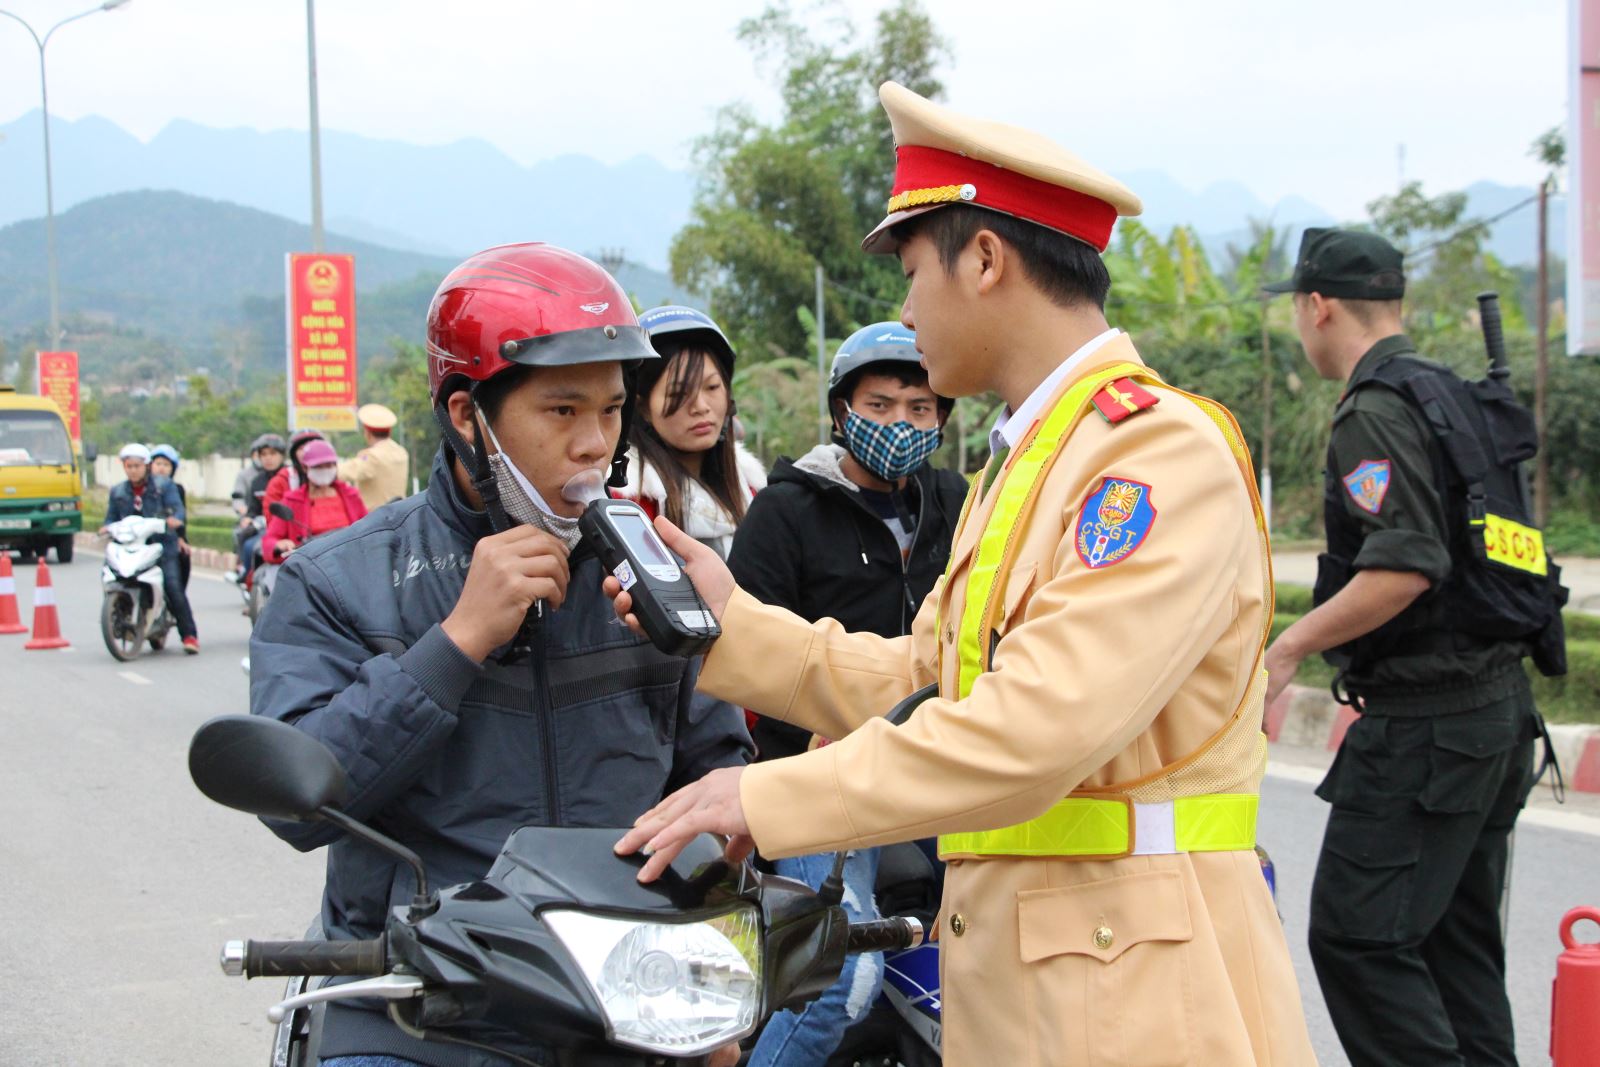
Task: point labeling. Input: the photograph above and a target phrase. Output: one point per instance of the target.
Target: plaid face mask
(890, 451)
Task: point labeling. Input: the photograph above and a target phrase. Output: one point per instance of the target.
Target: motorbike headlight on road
(677, 989)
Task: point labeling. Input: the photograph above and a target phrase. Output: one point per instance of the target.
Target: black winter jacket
(448, 756)
(810, 544)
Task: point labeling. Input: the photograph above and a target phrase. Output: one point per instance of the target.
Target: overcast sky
(1286, 97)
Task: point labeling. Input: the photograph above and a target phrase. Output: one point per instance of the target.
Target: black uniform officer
(1405, 931)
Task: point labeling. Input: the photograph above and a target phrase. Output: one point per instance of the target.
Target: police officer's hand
(705, 568)
(710, 805)
(510, 571)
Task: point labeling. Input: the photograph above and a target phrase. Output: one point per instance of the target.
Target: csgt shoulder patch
(1114, 522)
(1122, 398)
(1368, 484)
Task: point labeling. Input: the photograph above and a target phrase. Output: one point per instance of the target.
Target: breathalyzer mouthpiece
(585, 487)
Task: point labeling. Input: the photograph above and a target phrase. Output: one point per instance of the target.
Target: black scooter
(558, 945)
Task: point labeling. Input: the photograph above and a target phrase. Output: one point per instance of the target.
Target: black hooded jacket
(809, 543)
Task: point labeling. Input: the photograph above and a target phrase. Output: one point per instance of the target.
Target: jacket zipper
(541, 690)
(905, 557)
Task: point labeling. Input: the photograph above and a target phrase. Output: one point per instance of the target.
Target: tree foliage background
(777, 199)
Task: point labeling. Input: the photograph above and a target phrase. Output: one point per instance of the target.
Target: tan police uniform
(1092, 762)
(379, 471)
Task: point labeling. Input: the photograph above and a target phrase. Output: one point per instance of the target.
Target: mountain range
(447, 200)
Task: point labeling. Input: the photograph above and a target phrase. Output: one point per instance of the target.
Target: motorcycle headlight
(676, 989)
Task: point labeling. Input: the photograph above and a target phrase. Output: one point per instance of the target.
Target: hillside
(202, 282)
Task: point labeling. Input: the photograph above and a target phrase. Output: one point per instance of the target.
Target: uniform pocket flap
(1124, 912)
(1474, 737)
(1371, 841)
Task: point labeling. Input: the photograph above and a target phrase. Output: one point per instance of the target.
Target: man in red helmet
(455, 652)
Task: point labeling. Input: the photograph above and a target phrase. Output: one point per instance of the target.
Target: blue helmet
(168, 453)
(882, 342)
(685, 324)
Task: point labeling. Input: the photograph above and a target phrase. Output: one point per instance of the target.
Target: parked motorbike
(133, 605)
(558, 945)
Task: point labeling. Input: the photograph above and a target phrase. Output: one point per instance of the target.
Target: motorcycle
(258, 584)
(557, 945)
(133, 606)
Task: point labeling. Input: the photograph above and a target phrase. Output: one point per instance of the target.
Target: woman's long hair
(685, 368)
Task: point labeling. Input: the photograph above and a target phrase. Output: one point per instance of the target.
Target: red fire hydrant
(1575, 1000)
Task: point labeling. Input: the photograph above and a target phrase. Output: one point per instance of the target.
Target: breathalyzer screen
(641, 538)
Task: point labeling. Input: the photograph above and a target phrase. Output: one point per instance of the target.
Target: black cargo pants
(1405, 906)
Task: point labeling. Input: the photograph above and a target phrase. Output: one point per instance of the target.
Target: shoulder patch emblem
(1114, 522)
(1368, 484)
(1122, 398)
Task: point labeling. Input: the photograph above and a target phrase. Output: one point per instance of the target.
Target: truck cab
(41, 505)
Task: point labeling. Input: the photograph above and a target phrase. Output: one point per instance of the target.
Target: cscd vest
(1206, 801)
(1502, 585)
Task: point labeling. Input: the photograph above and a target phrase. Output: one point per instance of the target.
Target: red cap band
(925, 176)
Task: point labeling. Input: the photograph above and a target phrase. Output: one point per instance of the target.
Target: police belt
(1110, 827)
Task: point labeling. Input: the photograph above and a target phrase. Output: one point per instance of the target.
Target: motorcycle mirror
(281, 511)
(265, 767)
(91, 451)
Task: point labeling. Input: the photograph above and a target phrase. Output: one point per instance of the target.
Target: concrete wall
(208, 478)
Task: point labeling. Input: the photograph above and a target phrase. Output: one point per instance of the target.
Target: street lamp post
(49, 193)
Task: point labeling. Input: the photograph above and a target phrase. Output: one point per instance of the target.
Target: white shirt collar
(1011, 425)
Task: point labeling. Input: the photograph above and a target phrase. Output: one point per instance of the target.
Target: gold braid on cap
(939, 194)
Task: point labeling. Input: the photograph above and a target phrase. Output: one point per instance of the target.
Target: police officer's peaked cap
(1347, 264)
(943, 157)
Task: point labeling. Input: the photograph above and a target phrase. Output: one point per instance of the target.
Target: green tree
(775, 201)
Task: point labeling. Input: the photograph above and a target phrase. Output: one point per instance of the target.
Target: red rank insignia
(1122, 398)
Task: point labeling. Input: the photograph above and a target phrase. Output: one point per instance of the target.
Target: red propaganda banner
(58, 379)
(322, 342)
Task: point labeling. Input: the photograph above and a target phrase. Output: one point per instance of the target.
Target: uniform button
(1103, 937)
(958, 924)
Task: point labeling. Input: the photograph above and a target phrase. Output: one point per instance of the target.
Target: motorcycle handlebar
(283, 959)
(884, 935)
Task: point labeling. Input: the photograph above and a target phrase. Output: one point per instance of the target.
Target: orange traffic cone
(10, 621)
(46, 625)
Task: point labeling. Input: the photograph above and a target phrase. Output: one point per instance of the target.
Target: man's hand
(510, 572)
(705, 568)
(173, 522)
(283, 547)
(711, 804)
(726, 1056)
(1281, 664)
(245, 522)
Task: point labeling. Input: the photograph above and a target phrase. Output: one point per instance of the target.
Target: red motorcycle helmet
(528, 305)
(531, 305)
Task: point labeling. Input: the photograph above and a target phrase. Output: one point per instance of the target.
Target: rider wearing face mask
(857, 530)
(324, 503)
(455, 650)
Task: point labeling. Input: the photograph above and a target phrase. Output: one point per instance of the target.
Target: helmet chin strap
(475, 458)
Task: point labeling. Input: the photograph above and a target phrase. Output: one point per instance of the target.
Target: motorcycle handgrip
(282, 959)
(884, 935)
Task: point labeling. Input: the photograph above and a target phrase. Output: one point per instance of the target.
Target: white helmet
(135, 451)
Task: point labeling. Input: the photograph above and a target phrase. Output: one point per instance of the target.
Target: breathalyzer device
(668, 606)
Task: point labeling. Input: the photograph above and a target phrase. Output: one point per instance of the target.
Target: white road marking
(135, 677)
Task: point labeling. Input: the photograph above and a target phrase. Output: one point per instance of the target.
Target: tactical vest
(1502, 585)
(1204, 802)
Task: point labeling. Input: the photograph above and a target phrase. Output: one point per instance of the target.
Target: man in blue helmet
(857, 530)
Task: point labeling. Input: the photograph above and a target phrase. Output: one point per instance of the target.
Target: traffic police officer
(1092, 759)
(1405, 931)
(378, 471)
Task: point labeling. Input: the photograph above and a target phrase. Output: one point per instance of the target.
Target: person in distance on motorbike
(266, 457)
(155, 497)
(292, 474)
(455, 650)
(323, 504)
(164, 460)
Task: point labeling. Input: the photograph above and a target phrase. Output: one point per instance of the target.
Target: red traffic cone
(1575, 997)
(46, 625)
(10, 621)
